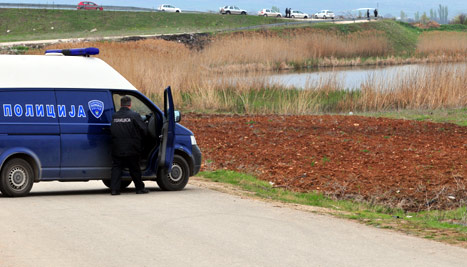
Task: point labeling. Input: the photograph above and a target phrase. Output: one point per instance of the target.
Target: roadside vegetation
(446, 226)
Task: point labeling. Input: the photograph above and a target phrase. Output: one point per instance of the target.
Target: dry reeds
(205, 80)
(443, 43)
(428, 87)
(253, 52)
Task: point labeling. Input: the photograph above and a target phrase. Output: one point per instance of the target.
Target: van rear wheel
(177, 178)
(17, 178)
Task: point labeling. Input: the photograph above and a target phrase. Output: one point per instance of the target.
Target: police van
(55, 116)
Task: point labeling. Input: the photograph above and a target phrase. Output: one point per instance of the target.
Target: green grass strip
(447, 226)
(456, 116)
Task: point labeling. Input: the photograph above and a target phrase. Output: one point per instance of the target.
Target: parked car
(231, 10)
(299, 14)
(169, 8)
(89, 6)
(324, 14)
(268, 13)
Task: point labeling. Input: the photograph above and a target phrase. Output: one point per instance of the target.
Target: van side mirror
(178, 116)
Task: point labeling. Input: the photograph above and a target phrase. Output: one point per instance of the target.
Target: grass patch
(36, 24)
(278, 100)
(450, 27)
(456, 116)
(266, 190)
(446, 226)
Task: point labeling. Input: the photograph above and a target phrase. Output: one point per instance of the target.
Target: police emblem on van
(96, 107)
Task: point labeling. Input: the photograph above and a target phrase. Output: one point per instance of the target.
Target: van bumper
(196, 152)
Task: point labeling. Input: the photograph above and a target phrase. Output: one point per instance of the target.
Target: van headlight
(193, 140)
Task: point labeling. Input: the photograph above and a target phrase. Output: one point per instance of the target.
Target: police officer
(128, 131)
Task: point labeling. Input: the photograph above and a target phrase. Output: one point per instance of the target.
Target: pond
(349, 78)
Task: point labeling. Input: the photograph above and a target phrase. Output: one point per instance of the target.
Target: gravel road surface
(80, 224)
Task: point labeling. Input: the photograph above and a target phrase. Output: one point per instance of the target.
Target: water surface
(349, 78)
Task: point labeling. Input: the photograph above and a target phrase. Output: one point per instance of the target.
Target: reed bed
(451, 44)
(206, 80)
(425, 87)
(300, 50)
(443, 86)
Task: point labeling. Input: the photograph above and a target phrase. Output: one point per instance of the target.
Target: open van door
(165, 155)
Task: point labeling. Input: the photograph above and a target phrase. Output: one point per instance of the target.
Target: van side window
(136, 104)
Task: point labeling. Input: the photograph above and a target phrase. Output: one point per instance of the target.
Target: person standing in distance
(128, 131)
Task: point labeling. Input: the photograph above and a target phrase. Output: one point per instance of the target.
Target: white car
(268, 13)
(231, 10)
(169, 8)
(298, 14)
(324, 14)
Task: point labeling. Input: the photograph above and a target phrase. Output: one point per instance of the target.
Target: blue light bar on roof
(76, 51)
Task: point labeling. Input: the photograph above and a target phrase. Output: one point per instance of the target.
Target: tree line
(439, 15)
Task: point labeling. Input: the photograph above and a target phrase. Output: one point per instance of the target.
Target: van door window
(136, 105)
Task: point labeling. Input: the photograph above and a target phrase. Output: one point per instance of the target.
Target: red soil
(407, 164)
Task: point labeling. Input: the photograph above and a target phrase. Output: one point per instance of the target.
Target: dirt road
(80, 224)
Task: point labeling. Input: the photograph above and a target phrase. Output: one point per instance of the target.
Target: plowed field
(407, 164)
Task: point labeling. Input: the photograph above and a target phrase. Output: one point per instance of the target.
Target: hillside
(43, 24)
(38, 24)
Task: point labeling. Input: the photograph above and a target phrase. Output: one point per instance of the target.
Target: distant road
(73, 7)
(81, 224)
(61, 6)
(107, 8)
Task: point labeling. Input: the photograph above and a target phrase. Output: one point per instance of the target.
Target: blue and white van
(55, 115)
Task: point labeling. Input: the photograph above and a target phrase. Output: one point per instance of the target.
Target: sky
(392, 7)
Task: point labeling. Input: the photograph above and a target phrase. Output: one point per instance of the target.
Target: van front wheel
(177, 178)
(17, 178)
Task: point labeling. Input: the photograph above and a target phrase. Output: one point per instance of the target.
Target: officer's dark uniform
(128, 131)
